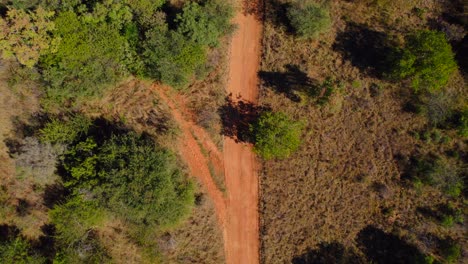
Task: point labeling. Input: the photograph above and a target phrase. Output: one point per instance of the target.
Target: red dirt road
(238, 212)
(242, 226)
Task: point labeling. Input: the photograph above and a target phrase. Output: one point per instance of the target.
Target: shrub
(18, 251)
(205, 24)
(60, 132)
(90, 56)
(170, 58)
(309, 19)
(36, 163)
(451, 251)
(133, 177)
(75, 219)
(276, 135)
(427, 59)
(76, 222)
(439, 173)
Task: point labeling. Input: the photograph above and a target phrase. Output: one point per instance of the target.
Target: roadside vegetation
(88, 167)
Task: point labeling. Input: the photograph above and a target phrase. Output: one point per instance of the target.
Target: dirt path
(242, 231)
(238, 212)
(191, 151)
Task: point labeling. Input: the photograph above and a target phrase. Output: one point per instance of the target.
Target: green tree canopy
(171, 58)
(91, 54)
(427, 59)
(205, 24)
(131, 176)
(276, 135)
(309, 19)
(24, 35)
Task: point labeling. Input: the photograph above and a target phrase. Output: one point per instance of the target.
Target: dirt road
(191, 151)
(241, 230)
(238, 212)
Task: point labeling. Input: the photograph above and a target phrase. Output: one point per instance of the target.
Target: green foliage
(81, 161)
(309, 19)
(461, 122)
(427, 59)
(145, 10)
(439, 173)
(91, 54)
(60, 132)
(451, 251)
(76, 222)
(133, 177)
(18, 251)
(276, 135)
(24, 35)
(205, 24)
(171, 58)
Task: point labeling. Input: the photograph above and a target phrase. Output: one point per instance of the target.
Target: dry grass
(198, 240)
(17, 103)
(327, 191)
(208, 95)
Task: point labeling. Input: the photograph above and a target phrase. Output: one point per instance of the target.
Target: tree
(171, 58)
(131, 176)
(276, 135)
(205, 24)
(24, 35)
(309, 19)
(427, 59)
(91, 55)
(18, 251)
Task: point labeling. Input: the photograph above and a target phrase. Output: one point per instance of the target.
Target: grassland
(348, 176)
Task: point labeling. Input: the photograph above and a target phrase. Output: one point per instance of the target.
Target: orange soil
(190, 150)
(242, 233)
(238, 212)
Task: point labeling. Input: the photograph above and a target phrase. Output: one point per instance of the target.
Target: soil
(242, 235)
(237, 209)
(192, 153)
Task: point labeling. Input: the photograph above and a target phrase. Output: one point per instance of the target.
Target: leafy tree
(91, 55)
(427, 59)
(439, 173)
(24, 35)
(309, 19)
(60, 132)
(145, 11)
(131, 176)
(76, 222)
(276, 135)
(205, 24)
(171, 58)
(18, 251)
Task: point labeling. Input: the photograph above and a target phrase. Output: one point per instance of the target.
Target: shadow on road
(236, 118)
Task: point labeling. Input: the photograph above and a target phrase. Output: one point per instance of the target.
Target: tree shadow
(276, 15)
(290, 82)
(365, 48)
(236, 117)
(381, 247)
(54, 194)
(254, 8)
(328, 253)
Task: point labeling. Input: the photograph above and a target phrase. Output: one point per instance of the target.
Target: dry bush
(332, 187)
(207, 96)
(135, 105)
